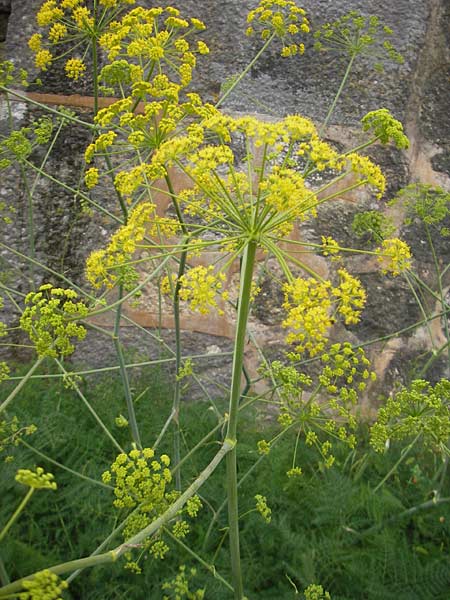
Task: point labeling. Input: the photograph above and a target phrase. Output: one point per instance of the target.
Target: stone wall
(416, 93)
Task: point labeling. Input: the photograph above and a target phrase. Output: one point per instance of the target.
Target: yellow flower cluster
(102, 265)
(280, 18)
(308, 304)
(321, 154)
(262, 507)
(351, 297)
(141, 482)
(57, 32)
(419, 410)
(104, 141)
(385, 127)
(330, 247)
(75, 68)
(51, 320)
(139, 479)
(200, 287)
(91, 178)
(345, 372)
(284, 189)
(73, 22)
(395, 256)
(127, 182)
(368, 171)
(49, 13)
(313, 306)
(38, 480)
(155, 36)
(44, 585)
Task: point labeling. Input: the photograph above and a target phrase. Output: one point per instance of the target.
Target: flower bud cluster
(44, 585)
(38, 480)
(51, 320)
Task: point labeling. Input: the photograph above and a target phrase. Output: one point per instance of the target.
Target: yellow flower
(197, 24)
(57, 32)
(308, 304)
(48, 13)
(91, 178)
(202, 48)
(43, 59)
(282, 18)
(351, 296)
(370, 172)
(35, 42)
(83, 18)
(75, 68)
(395, 256)
(199, 286)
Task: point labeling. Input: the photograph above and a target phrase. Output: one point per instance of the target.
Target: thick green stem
(238, 361)
(113, 555)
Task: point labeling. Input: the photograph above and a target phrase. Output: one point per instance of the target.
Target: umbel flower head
(313, 306)
(73, 23)
(320, 409)
(148, 42)
(282, 19)
(422, 410)
(50, 319)
(142, 482)
(355, 34)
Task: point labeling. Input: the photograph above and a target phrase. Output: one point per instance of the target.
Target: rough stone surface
(416, 92)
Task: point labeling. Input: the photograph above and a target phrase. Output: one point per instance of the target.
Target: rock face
(416, 92)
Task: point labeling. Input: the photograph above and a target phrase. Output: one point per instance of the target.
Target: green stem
(208, 567)
(238, 361)
(16, 514)
(95, 74)
(177, 324)
(64, 115)
(89, 407)
(61, 466)
(441, 293)
(20, 385)
(31, 246)
(4, 579)
(338, 94)
(403, 455)
(124, 375)
(245, 71)
(113, 555)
